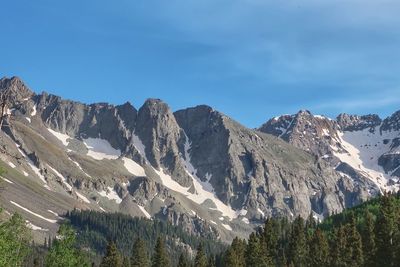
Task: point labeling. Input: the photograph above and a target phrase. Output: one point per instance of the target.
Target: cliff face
(196, 167)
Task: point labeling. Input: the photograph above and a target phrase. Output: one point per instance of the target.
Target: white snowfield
(203, 190)
(148, 216)
(364, 149)
(34, 227)
(133, 167)
(79, 167)
(111, 194)
(60, 136)
(227, 227)
(54, 213)
(100, 149)
(33, 213)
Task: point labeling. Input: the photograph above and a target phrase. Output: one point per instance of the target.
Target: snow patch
(28, 119)
(261, 212)
(79, 167)
(363, 151)
(12, 165)
(33, 213)
(139, 145)
(34, 227)
(133, 167)
(227, 227)
(60, 136)
(142, 209)
(5, 179)
(111, 194)
(245, 220)
(82, 197)
(54, 213)
(33, 113)
(64, 180)
(101, 149)
(25, 173)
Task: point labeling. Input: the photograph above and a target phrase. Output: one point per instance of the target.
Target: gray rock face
(315, 134)
(195, 167)
(357, 123)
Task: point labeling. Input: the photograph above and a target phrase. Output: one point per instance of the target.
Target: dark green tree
(112, 258)
(297, 244)
(139, 256)
(253, 252)
(160, 257)
(318, 250)
(63, 252)
(338, 248)
(368, 240)
(386, 232)
(354, 250)
(183, 261)
(201, 258)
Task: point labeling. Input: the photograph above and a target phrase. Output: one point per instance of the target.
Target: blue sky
(250, 59)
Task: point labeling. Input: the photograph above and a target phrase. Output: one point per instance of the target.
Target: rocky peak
(392, 123)
(19, 90)
(357, 123)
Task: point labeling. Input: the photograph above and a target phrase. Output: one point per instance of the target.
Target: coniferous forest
(367, 235)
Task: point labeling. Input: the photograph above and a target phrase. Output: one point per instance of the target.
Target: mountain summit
(196, 168)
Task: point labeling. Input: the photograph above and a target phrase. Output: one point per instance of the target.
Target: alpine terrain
(194, 168)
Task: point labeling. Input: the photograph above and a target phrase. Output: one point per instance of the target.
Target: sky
(250, 59)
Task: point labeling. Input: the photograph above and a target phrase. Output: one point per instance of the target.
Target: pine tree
(235, 255)
(139, 256)
(160, 257)
(126, 262)
(253, 252)
(353, 244)
(183, 261)
(201, 258)
(112, 257)
(297, 243)
(338, 248)
(269, 241)
(368, 240)
(385, 233)
(318, 250)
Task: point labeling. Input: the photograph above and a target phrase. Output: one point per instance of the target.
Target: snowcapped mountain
(195, 168)
(356, 146)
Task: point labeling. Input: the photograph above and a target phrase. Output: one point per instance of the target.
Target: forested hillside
(367, 235)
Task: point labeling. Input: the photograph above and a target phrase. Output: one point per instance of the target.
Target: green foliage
(201, 258)
(160, 256)
(183, 261)
(15, 239)
(139, 256)
(64, 252)
(96, 228)
(113, 257)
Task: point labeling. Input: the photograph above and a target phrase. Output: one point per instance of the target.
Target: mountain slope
(195, 168)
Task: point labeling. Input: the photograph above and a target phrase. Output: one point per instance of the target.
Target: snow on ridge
(132, 167)
(100, 149)
(142, 209)
(227, 227)
(5, 179)
(60, 136)
(12, 165)
(28, 119)
(35, 169)
(33, 213)
(111, 195)
(25, 173)
(64, 180)
(82, 197)
(54, 213)
(203, 190)
(33, 113)
(79, 167)
(364, 149)
(139, 145)
(34, 227)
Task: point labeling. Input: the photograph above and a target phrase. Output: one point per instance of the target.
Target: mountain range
(195, 168)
